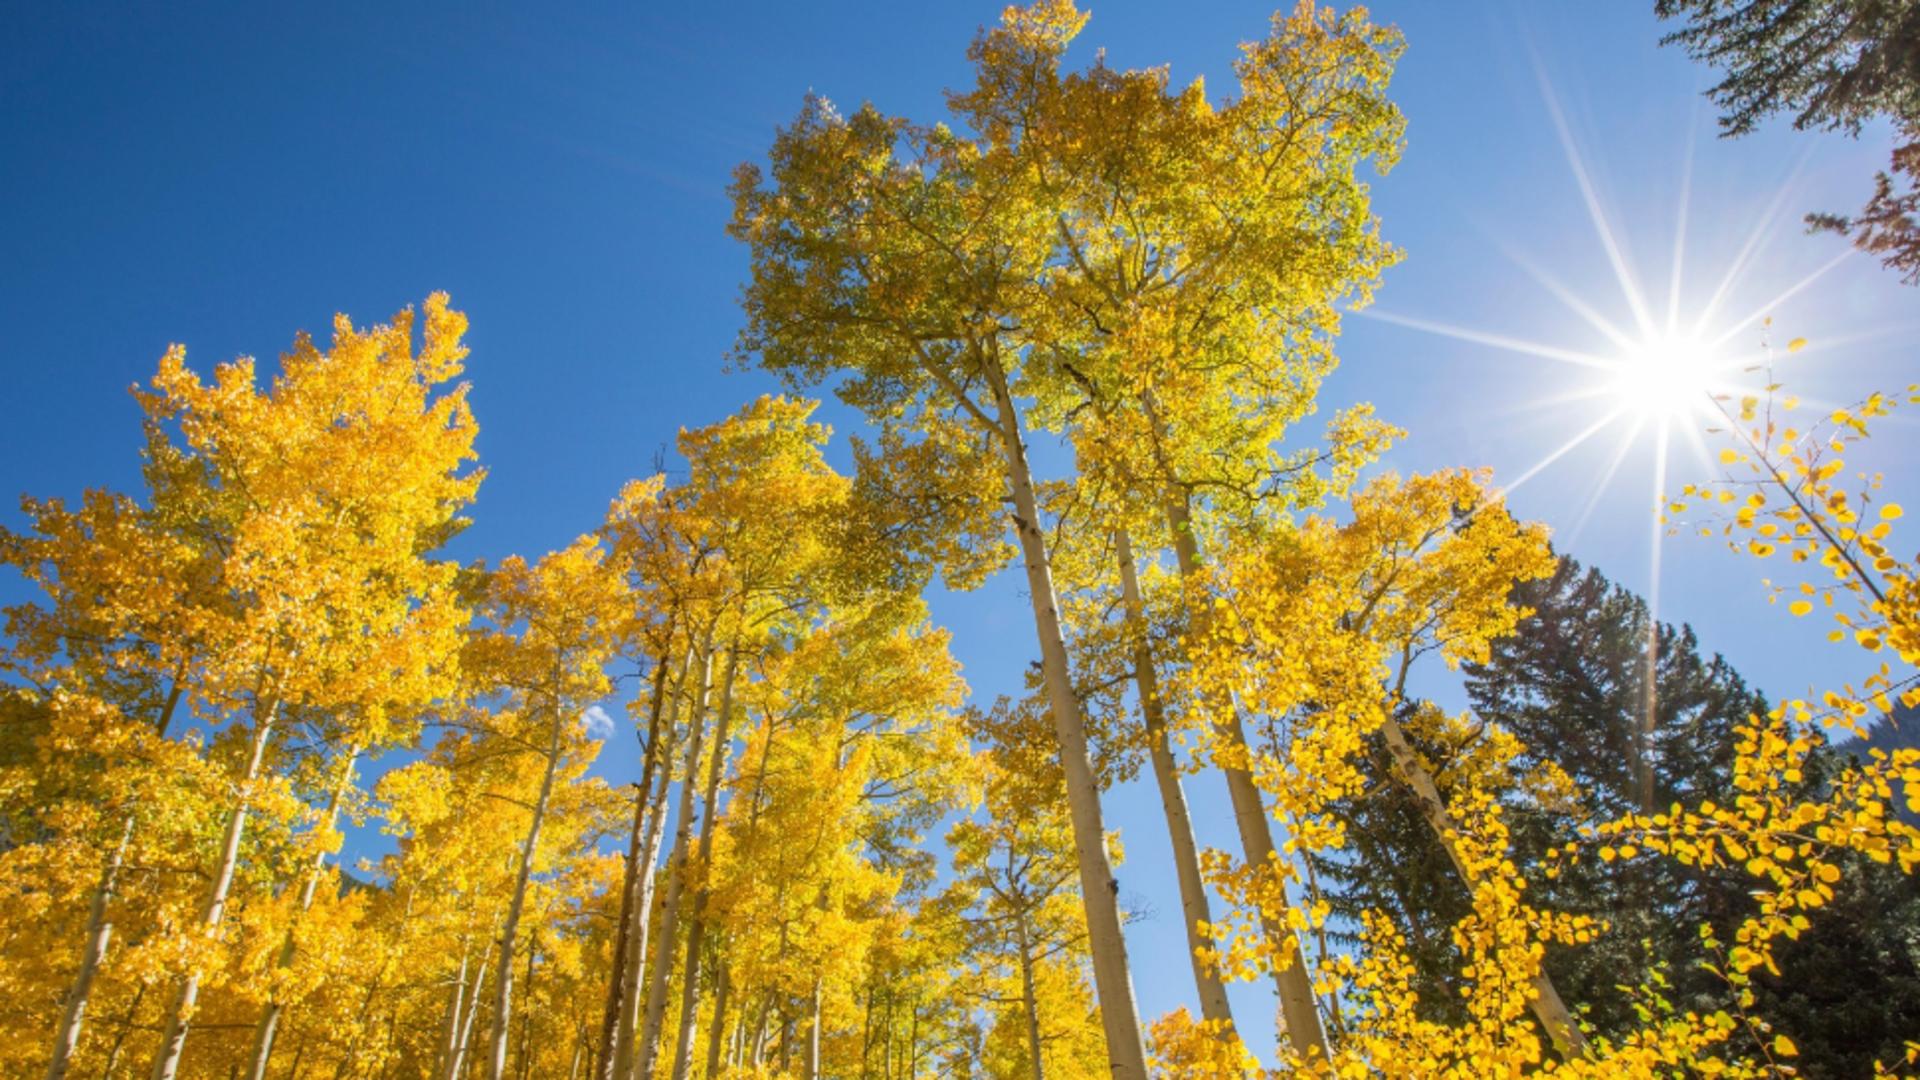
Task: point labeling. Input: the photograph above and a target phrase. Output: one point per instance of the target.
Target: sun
(1664, 379)
(1660, 379)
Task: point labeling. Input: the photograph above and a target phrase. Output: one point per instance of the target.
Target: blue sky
(226, 175)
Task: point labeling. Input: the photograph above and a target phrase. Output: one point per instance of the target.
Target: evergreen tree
(1571, 684)
(1833, 64)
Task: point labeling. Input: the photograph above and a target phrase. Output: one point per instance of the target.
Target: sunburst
(1662, 376)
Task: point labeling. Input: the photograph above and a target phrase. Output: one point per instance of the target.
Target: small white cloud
(597, 723)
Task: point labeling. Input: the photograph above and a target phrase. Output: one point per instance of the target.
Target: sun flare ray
(1629, 436)
(1564, 449)
(1676, 274)
(1741, 260)
(1485, 337)
(1622, 271)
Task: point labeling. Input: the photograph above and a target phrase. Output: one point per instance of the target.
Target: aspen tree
(893, 255)
(768, 503)
(557, 626)
(321, 495)
(1012, 890)
(1203, 254)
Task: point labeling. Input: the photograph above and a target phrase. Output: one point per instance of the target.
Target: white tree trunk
(459, 1059)
(99, 935)
(620, 981)
(1547, 1005)
(173, 1039)
(263, 1034)
(660, 966)
(697, 925)
(99, 926)
(450, 1038)
(509, 933)
(633, 1005)
(1120, 1020)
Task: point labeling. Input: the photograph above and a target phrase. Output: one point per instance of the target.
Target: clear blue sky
(226, 175)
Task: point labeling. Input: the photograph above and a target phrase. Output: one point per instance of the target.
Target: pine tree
(1833, 64)
(1570, 683)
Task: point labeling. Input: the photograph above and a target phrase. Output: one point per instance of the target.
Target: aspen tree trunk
(1028, 1006)
(660, 968)
(450, 1041)
(913, 1038)
(99, 927)
(270, 1020)
(1126, 1052)
(1299, 1010)
(1547, 1005)
(760, 1030)
(632, 1003)
(617, 978)
(125, 1028)
(617, 981)
(365, 1014)
(1173, 798)
(697, 925)
(526, 1015)
(1643, 749)
(866, 1036)
(737, 1042)
(717, 1031)
(466, 1026)
(99, 934)
(510, 932)
(813, 1034)
(179, 1016)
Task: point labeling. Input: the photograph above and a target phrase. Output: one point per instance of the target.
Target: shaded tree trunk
(108, 1068)
(1299, 1008)
(718, 1029)
(1194, 906)
(526, 1015)
(1029, 1007)
(813, 1033)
